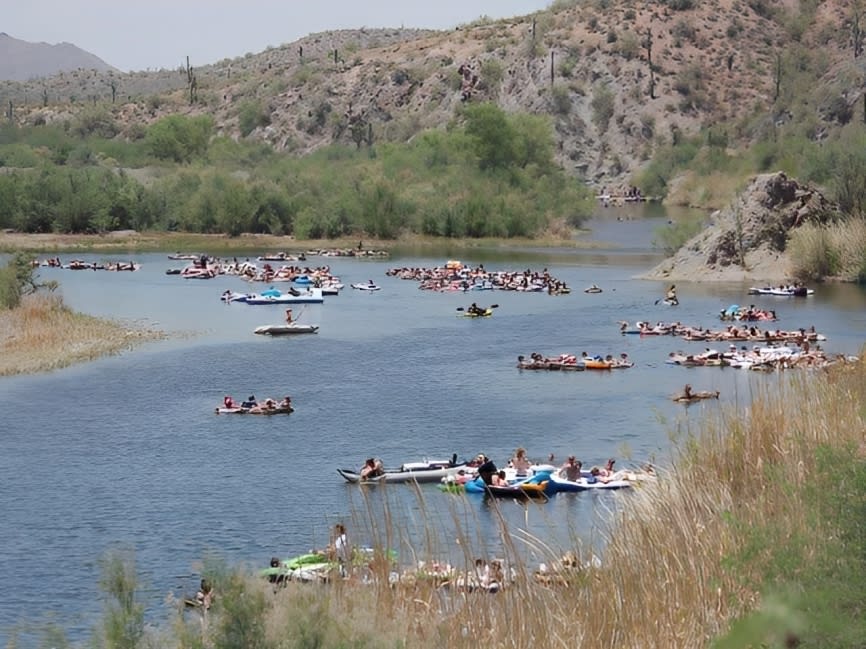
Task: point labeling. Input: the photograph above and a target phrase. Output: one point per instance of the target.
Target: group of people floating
(454, 276)
(252, 405)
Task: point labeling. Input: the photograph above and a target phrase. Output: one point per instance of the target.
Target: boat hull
(254, 411)
(274, 296)
(286, 329)
(419, 475)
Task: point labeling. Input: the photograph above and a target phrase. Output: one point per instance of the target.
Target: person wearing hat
(250, 402)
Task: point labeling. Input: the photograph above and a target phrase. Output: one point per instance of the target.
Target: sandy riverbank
(42, 334)
(222, 245)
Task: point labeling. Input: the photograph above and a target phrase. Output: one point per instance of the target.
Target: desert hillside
(21, 60)
(618, 80)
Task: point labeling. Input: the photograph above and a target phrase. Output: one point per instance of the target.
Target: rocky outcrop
(748, 239)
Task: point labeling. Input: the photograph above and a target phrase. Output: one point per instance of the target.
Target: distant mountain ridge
(23, 60)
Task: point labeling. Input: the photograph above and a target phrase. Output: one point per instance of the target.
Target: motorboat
(286, 329)
(275, 296)
(369, 286)
(331, 287)
(782, 291)
(418, 472)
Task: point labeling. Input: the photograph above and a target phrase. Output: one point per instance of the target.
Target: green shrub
(670, 238)
(561, 99)
(123, 623)
(179, 138)
(252, 115)
(602, 105)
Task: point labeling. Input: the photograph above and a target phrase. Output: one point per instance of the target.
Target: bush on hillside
(178, 138)
(251, 116)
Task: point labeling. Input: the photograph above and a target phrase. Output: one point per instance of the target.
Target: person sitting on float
(286, 404)
(571, 469)
(372, 468)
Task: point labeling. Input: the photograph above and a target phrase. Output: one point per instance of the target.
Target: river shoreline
(42, 335)
(220, 244)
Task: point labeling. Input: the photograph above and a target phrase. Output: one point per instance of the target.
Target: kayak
(484, 314)
(366, 287)
(282, 330)
(306, 567)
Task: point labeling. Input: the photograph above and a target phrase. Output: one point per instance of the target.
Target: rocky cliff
(748, 239)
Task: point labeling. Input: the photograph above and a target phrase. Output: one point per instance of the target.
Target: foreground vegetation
(752, 538)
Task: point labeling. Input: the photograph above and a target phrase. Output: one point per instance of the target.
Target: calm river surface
(126, 452)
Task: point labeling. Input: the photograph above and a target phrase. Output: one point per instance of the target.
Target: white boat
(234, 296)
(420, 472)
(369, 286)
(332, 287)
(782, 291)
(286, 329)
(275, 296)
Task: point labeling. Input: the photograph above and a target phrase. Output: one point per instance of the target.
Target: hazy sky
(141, 34)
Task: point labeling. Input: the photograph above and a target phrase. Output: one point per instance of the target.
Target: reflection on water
(128, 451)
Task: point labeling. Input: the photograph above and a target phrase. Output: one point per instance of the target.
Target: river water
(127, 453)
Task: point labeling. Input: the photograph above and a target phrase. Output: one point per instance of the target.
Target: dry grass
(42, 334)
(676, 571)
(829, 250)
